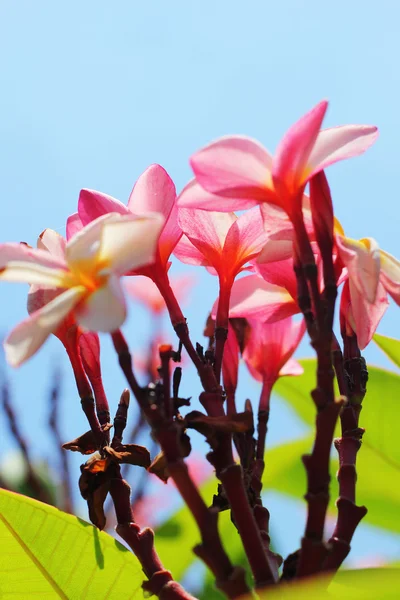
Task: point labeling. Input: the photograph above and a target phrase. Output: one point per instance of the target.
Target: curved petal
(235, 167)
(252, 297)
(293, 152)
(245, 238)
(105, 309)
(339, 143)
(13, 252)
(53, 242)
(194, 196)
(24, 272)
(25, 339)
(83, 248)
(92, 204)
(279, 273)
(154, 191)
(390, 274)
(170, 236)
(74, 224)
(129, 242)
(189, 254)
(362, 260)
(207, 231)
(366, 315)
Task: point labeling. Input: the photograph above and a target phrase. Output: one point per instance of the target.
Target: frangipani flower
(223, 242)
(95, 259)
(242, 173)
(268, 352)
(83, 347)
(154, 191)
(371, 273)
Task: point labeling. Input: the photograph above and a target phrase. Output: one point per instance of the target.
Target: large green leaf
(365, 584)
(390, 346)
(380, 415)
(48, 554)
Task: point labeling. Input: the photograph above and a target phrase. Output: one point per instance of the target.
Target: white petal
(83, 248)
(105, 309)
(130, 242)
(12, 252)
(28, 336)
(22, 272)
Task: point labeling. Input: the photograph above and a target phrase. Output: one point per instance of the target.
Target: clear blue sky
(93, 92)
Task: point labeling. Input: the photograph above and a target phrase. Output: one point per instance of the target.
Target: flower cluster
(75, 283)
(279, 263)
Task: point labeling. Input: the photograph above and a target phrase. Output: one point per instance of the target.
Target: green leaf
(378, 483)
(49, 554)
(365, 584)
(390, 346)
(380, 415)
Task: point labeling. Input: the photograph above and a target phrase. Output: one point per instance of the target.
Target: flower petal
(74, 224)
(194, 196)
(186, 252)
(53, 242)
(105, 309)
(92, 204)
(12, 252)
(129, 242)
(252, 297)
(363, 263)
(235, 167)
(339, 143)
(245, 238)
(25, 339)
(207, 231)
(390, 275)
(170, 236)
(293, 152)
(154, 191)
(364, 316)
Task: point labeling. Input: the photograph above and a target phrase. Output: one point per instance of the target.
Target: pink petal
(53, 242)
(339, 143)
(92, 204)
(154, 191)
(170, 236)
(390, 275)
(12, 252)
(252, 297)
(207, 231)
(105, 309)
(295, 148)
(291, 367)
(186, 252)
(194, 196)
(362, 260)
(74, 224)
(279, 273)
(25, 339)
(366, 315)
(235, 167)
(245, 238)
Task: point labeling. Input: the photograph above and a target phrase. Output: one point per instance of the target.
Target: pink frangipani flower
(89, 275)
(268, 352)
(223, 242)
(155, 192)
(242, 173)
(83, 347)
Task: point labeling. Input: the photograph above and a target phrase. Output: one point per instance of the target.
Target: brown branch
(229, 579)
(352, 376)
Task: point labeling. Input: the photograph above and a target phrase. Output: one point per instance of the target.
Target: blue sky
(93, 92)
